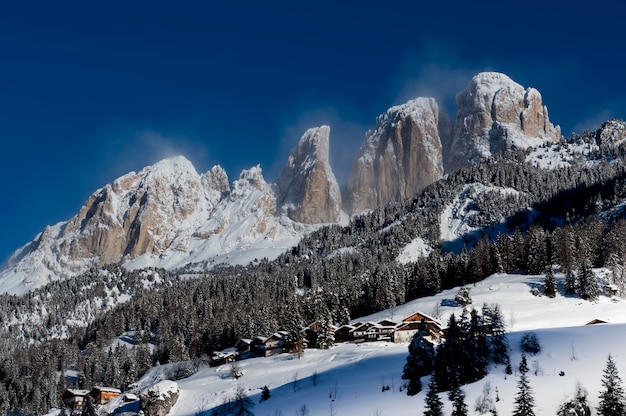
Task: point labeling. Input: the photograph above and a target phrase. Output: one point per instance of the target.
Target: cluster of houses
(76, 399)
(390, 330)
(383, 330)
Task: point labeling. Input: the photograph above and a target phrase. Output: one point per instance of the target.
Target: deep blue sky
(90, 92)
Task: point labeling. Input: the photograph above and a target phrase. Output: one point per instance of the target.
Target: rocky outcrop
(495, 113)
(159, 399)
(307, 189)
(611, 132)
(401, 156)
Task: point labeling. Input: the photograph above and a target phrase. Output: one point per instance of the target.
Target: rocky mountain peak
(307, 188)
(400, 157)
(495, 113)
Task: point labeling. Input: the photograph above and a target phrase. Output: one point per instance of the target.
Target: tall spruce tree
(588, 287)
(434, 405)
(448, 361)
(612, 397)
(498, 341)
(524, 400)
(420, 362)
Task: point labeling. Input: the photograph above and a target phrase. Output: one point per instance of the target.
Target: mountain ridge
(170, 215)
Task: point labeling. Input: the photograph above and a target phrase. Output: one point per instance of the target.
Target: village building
(269, 346)
(74, 399)
(344, 333)
(243, 348)
(103, 395)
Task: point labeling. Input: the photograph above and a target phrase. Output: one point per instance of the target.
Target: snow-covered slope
(348, 379)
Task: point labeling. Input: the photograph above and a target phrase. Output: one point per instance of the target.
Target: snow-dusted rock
(495, 113)
(159, 399)
(611, 132)
(307, 188)
(401, 156)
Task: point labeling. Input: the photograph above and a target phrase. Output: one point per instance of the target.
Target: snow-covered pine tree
(476, 348)
(571, 283)
(498, 340)
(524, 400)
(576, 405)
(536, 250)
(612, 395)
(588, 287)
(325, 337)
(434, 405)
(448, 360)
(420, 362)
(549, 285)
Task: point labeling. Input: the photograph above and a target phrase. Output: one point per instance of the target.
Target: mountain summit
(495, 113)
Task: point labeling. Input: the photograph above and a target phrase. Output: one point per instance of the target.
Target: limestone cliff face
(138, 213)
(495, 113)
(307, 188)
(401, 156)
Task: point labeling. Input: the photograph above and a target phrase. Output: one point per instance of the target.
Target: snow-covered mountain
(168, 215)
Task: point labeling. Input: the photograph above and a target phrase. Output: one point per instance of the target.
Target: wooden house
(243, 348)
(344, 333)
(74, 399)
(103, 395)
(269, 346)
(365, 332)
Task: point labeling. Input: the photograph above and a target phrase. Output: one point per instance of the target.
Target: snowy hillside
(348, 379)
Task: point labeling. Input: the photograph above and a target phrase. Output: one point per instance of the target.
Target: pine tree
(325, 337)
(536, 250)
(498, 341)
(549, 286)
(612, 397)
(571, 285)
(448, 360)
(577, 405)
(420, 362)
(459, 407)
(434, 405)
(524, 400)
(588, 287)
